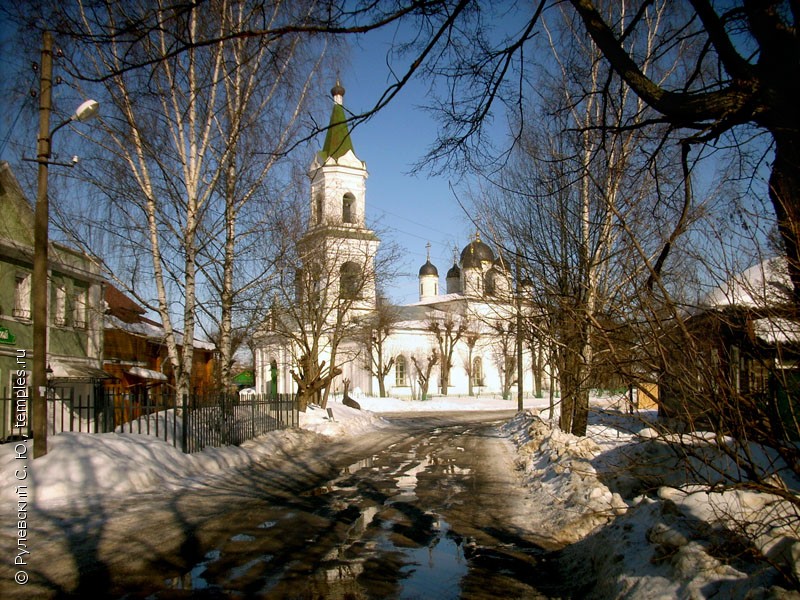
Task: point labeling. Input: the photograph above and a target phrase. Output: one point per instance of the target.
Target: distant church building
(470, 324)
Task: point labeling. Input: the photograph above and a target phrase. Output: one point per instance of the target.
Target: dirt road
(429, 508)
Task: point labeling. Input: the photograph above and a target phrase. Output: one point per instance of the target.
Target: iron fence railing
(190, 423)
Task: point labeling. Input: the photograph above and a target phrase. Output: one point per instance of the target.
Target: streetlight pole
(520, 374)
(40, 285)
(40, 242)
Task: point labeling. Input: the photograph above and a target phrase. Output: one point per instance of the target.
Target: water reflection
(379, 533)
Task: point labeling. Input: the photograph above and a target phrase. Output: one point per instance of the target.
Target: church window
(400, 370)
(318, 208)
(491, 285)
(349, 281)
(477, 372)
(348, 208)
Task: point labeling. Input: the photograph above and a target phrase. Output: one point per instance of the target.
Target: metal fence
(190, 423)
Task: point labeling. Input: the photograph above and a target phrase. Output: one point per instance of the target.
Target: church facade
(457, 339)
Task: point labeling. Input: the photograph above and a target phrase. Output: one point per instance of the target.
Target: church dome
(337, 90)
(475, 253)
(454, 272)
(428, 269)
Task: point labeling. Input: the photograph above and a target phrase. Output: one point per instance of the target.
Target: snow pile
(92, 467)
(624, 503)
(558, 471)
(634, 523)
(345, 421)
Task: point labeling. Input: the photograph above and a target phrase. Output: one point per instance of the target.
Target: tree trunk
(226, 294)
(784, 192)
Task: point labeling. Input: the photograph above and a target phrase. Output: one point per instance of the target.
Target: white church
(476, 300)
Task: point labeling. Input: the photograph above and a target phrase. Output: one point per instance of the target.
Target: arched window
(491, 284)
(350, 281)
(318, 208)
(348, 208)
(400, 371)
(477, 371)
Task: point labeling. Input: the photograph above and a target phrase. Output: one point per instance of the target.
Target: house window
(60, 306)
(348, 208)
(79, 307)
(22, 296)
(349, 281)
(477, 372)
(400, 370)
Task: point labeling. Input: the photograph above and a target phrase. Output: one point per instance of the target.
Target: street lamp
(40, 236)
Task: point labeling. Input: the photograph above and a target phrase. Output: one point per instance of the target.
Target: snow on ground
(618, 501)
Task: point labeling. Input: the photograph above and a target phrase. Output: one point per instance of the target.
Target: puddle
(379, 532)
(194, 580)
(241, 570)
(434, 571)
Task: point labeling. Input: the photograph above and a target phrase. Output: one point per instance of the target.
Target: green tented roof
(337, 139)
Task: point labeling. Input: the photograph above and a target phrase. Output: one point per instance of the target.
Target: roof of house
(763, 285)
(121, 306)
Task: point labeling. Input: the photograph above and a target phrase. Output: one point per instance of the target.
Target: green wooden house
(75, 318)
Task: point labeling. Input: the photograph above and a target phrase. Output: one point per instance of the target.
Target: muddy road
(428, 508)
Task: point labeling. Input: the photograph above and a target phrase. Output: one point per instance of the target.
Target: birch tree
(263, 78)
(175, 147)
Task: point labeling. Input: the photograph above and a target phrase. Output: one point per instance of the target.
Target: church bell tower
(337, 233)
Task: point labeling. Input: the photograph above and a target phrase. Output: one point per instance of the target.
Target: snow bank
(677, 540)
(625, 507)
(558, 470)
(93, 467)
(345, 421)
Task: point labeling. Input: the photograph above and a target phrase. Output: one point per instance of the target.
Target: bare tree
(423, 369)
(182, 160)
(262, 78)
(447, 329)
(376, 329)
(503, 346)
(325, 292)
(471, 340)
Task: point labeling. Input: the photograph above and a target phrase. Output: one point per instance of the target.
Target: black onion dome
(454, 272)
(475, 253)
(337, 90)
(428, 269)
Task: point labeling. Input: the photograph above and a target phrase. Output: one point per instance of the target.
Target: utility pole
(41, 288)
(40, 243)
(520, 406)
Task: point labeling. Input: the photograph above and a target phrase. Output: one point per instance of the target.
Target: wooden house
(136, 353)
(736, 367)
